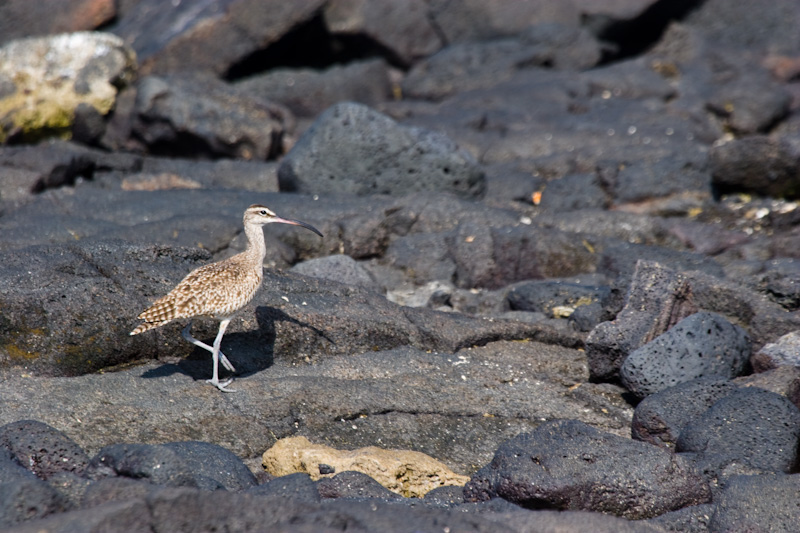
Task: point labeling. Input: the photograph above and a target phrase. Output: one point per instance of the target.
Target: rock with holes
(353, 149)
(657, 295)
(404, 472)
(701, 345)
(42, 449)
(568, 465)
(751, 426)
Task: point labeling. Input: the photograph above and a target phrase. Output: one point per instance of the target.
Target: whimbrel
(218, 290)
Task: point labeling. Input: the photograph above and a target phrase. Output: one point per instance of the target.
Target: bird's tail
(141, 328)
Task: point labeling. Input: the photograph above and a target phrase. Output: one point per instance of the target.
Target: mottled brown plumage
(218, 290)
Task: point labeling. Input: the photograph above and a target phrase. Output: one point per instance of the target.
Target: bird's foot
(221, 386)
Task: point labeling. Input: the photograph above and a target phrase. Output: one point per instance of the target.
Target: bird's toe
(221, 386)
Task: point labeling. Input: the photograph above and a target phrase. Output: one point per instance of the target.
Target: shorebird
(219, 289)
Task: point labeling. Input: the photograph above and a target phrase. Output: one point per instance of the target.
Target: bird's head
(260, 215)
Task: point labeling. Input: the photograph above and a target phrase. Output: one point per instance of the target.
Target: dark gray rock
(200, 116)
(618, 259)
(782, 283)
(11, 469)
(785, 351)
(480, 21)
(355, 485)
(31, 169)
(510, 182)
(764, 320)
(783, 243)
(71, 486)
(474, 255)
(480, 64)
(706, 238)
(757, 164)
(157, 464)
(117, 273)
(750, 105)
(659, 418)
(445, 496)
(24, 499)
(758, 503)
(767, 31)
(259, 176)
(574, 192)
(495, 257)
(210, 37)
(88, 126)
(17, 186)
(213, 466)
(632, 79)
(631, 228)
(544, 296)
(422, 257)
(404, 33)
(694, 519)
(656, 172)
(577, 521)
(324, 318)
(341, 268)
(701, 345)
(115, 517)
(566, 464)
(42, 449)
(353, 149)
(749, 426)
(464, 66)
(586, 317)
(403, 398)
(719, 80)
(116, 489)
(298, 487)
(657, 299)
(783, 380)
(309, 92)
(43, 324)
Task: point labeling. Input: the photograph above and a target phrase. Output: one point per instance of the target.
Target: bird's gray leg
(215, 357)
(188, 336)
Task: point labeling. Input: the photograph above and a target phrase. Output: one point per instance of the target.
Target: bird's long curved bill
(298, 223)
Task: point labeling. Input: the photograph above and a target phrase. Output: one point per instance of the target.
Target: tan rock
(44, 79)
(408, 473)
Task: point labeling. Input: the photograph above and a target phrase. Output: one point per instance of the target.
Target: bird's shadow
(248, 351)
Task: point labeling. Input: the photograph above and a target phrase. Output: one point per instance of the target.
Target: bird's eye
(263, 212)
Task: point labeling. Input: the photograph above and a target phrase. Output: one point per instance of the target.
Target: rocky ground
(558, 287)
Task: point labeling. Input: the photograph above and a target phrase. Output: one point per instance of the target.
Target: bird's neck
(256, 248)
